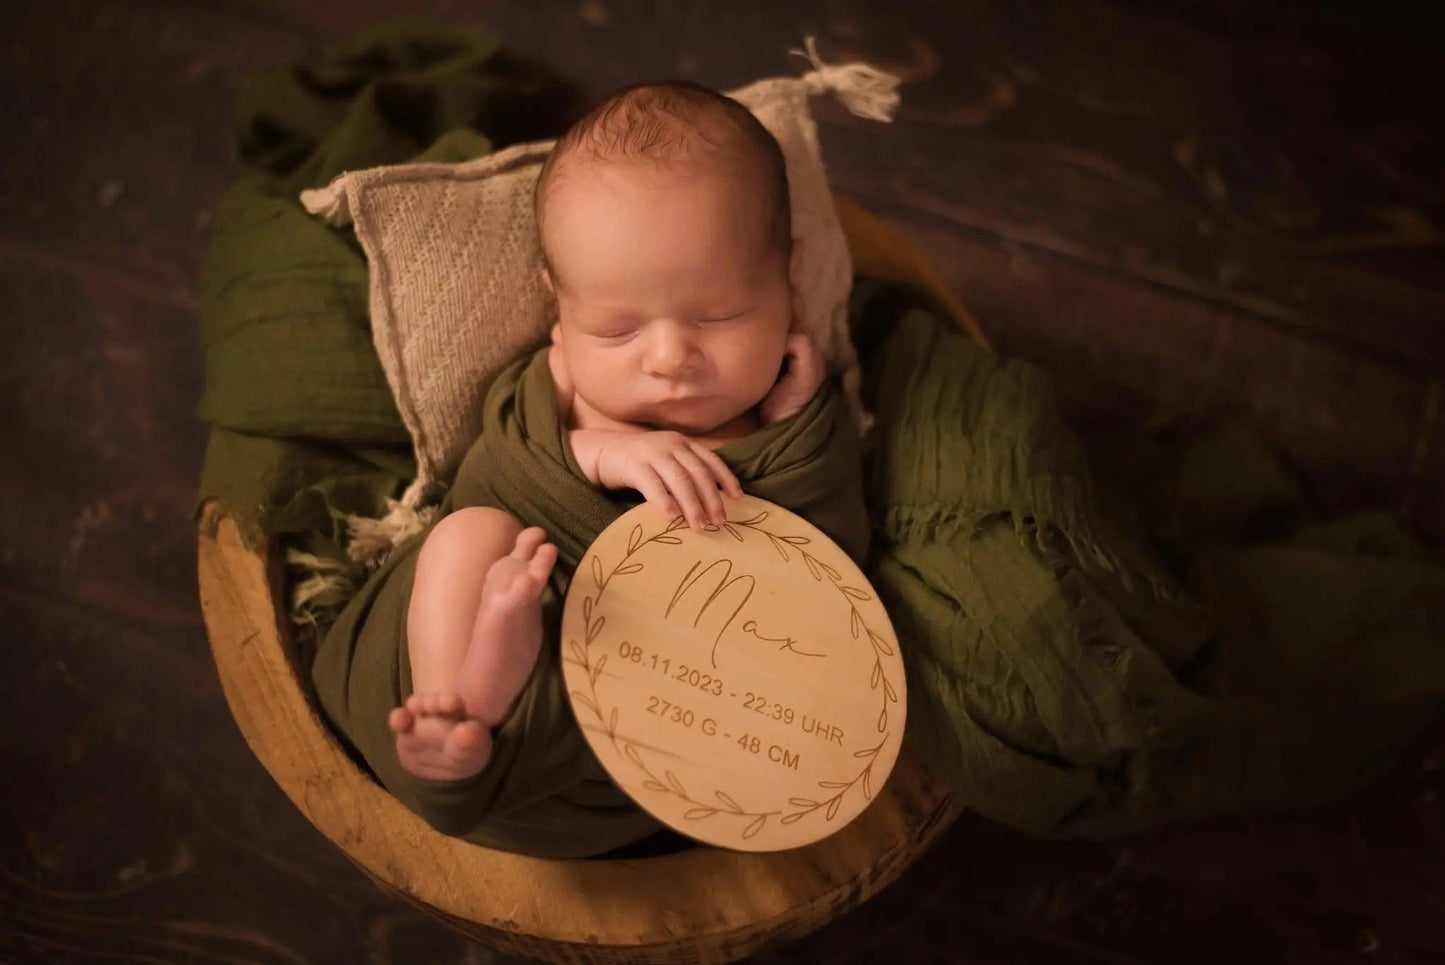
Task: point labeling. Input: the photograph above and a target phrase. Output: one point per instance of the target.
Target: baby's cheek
(608, 385)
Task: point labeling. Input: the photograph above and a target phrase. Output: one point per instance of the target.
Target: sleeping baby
(666, 236)
(675, 375)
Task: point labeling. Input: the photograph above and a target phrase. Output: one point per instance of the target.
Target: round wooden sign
(743, 684)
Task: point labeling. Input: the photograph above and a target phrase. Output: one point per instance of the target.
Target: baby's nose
(671, 352)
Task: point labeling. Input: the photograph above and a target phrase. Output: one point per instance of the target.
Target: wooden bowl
(704, 904)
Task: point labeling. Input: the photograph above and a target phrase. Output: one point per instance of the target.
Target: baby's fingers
(683, 488)
(654, 490)
(702, 477)
(720, 470)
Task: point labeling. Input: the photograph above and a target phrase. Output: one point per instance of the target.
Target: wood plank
(1421, 498)
(1043, 196)
(147, 828)
(1172, 157)
(99, 387)
(125, 137)
(1350, 424)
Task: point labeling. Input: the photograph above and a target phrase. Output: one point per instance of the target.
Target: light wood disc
(742, 685)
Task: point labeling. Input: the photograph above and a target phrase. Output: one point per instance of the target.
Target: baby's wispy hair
(667, 123)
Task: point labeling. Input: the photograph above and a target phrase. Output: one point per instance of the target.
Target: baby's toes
(434, 705)
(516, 585)
(464, 739)
(542, 563)
(527, 542)
(400, 720)
(502, 574)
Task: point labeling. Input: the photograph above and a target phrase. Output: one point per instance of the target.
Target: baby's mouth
(683, 395)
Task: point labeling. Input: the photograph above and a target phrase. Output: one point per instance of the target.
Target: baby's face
(673, 308)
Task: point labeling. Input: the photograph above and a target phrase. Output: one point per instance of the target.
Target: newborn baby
(666, 235)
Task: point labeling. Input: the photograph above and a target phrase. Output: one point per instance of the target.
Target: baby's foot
(435, 738)
(508, 633)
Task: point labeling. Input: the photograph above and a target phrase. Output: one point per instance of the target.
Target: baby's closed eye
(725, 316)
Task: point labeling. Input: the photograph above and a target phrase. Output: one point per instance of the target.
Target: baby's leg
(473, 633)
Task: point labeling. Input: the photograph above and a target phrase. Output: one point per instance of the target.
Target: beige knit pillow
(455, 282)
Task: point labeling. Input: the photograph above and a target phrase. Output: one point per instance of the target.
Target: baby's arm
(797, 386)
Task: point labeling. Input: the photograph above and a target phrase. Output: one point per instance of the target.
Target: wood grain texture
(124, 140)
(139, 827)
(1359, 431)
(106, 377)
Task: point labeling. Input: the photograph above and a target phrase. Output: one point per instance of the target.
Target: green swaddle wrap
(544, 792)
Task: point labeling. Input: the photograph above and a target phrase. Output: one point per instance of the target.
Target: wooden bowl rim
(711, 891)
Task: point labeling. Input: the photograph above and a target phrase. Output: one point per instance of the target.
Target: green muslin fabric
(544, 792)
(305, 429)
(1072, 671)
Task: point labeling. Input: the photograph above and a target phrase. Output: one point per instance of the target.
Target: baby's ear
(557, 334)
(547, 279)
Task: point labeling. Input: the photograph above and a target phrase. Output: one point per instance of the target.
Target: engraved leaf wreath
(670, 783)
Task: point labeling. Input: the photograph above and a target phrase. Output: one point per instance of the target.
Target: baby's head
(666, 235)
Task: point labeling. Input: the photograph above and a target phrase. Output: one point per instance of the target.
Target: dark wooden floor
(1198, 205)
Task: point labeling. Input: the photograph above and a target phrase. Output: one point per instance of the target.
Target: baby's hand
(797, 385)
(668, 468)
